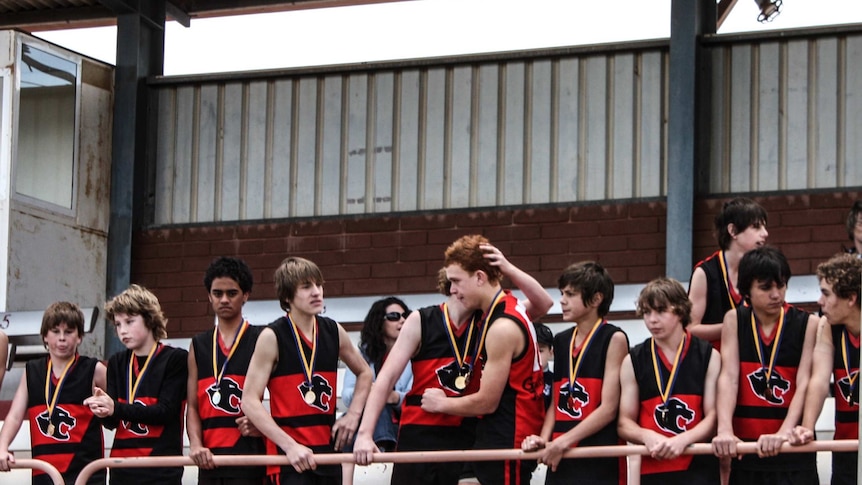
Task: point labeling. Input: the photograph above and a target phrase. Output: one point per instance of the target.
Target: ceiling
(40, 15)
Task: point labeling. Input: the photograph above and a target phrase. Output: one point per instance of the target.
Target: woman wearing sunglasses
(379, 332)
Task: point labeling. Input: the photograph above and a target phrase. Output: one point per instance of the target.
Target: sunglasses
(395, 316)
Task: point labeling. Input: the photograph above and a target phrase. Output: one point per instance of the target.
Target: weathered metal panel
(852, 127)
(650, 107)
(568, 129)
(594, 128)
(538, 133)
(486, 95)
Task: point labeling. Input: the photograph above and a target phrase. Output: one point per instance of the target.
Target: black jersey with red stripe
(309, 423)
(761, 402)
(846, 387)
(718, 295)
(434, 366)
(574, 403)
(219, 403)
(153, 424)
(683, 409)
(70, 437)
(521, 409)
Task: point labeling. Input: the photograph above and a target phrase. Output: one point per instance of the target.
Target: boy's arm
(13, 423)
(627, 422)
(537, 301)
(343, 429)
(100, 377)
(604, 414)
(724, 443)
(263, 361)
(201, 455)
(504, 341)
(405, 347)
(821, 370)
(697, 294)
(4, 354)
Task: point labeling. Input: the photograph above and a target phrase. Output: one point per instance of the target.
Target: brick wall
(401, 254)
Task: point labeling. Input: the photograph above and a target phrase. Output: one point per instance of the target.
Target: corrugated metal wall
(547, 127)
(787, 114)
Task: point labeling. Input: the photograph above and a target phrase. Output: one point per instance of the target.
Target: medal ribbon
(234, 344)
(478, 350)
(138, 376)
(845, 351)
(666, 390)
(307, 364)
(574, 365)
(454, 342)
(779, 333)
(727, 284)
(51, 401)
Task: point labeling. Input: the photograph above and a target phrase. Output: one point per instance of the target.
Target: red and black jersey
(153, 424)
(718, 294)
(70, 437)
(521, 410)
(683, 409)
(434, 366)
(846, 391)
(219, 405)
(761, 406)
(573, 403)
(309, 423)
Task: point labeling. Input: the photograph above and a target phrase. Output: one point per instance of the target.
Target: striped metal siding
(513, 132)
(787, 114)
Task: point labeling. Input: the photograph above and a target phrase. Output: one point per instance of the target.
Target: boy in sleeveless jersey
(146, 389)
(836, 355)
(509, 397)
(218, 364)
(586, 390)
(740, 227)
(63, 431)
(296, 358)
(766, 352)
(438, 341)
(669, 390)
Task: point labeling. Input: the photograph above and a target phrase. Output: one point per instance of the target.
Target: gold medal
(461, 383)
(310, 397)
(51, 429)
(768, 392)
(216, 398)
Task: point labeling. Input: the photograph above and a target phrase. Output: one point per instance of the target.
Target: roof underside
(39, 15)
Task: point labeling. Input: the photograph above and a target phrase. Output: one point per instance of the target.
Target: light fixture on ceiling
(769, 9)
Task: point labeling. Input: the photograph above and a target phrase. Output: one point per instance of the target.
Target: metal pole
(46, 467)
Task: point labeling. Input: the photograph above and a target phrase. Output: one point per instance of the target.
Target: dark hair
(766, 264)
(842, 271)
(589, 278)
(544, 335)
(467, 253)
(853, 218)
(233, 268)
(742, 213)
(663, 294)
(371, 339)
(292, 273)
(62, 312)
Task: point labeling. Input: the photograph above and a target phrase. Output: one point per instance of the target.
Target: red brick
(397, 270)
(837, 200)
(386, 240)
(372, 224)
(570, 230)
(192, 249)
(249, 246)
(427, 222)
(413, 238)
(155, 266)
(828, 233)
(183, 309)
(541, 216)
(156, 236)
(640, 274)
(629, 226)
(628, 258)
(598, 244)
(199, 264)
(445, 237)
(179, 279)
(324, 259)
(521, 232)
(209, 233)
(819, 250)
(779, 236)
(356, 241)
(347, 272)
(421, 253)
(813, 218)
(540, 247)
(469, 221)
(317, 227)
(597, 212)
(145, 251)
(647, 209)
(275, 245)
(647, 241)
(174, 294)
(372, 256)
(263, 231)
(417, 284)
(378, 286)
(224, 248)
(302, 244)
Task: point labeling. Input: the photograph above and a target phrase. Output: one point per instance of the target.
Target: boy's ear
(597, 300)
(731, 229)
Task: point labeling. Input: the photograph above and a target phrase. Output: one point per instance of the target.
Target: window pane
(46, 127)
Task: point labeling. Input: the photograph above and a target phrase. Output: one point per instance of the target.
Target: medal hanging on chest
(767, 368)
(480, 346)
(665, 389)
(465, 368)
(51, 399)
(851, 377)
(219, 374)
(309, 396)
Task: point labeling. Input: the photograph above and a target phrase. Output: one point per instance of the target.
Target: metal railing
(44, 466)
(443, 456)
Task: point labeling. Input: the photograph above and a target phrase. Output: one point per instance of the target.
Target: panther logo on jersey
(61, 419)
(849, 388)
(447, 375)
(674, 416)
(322, 392)
(573, 400)
(136, 428)
(229, 396)
(772, 392)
